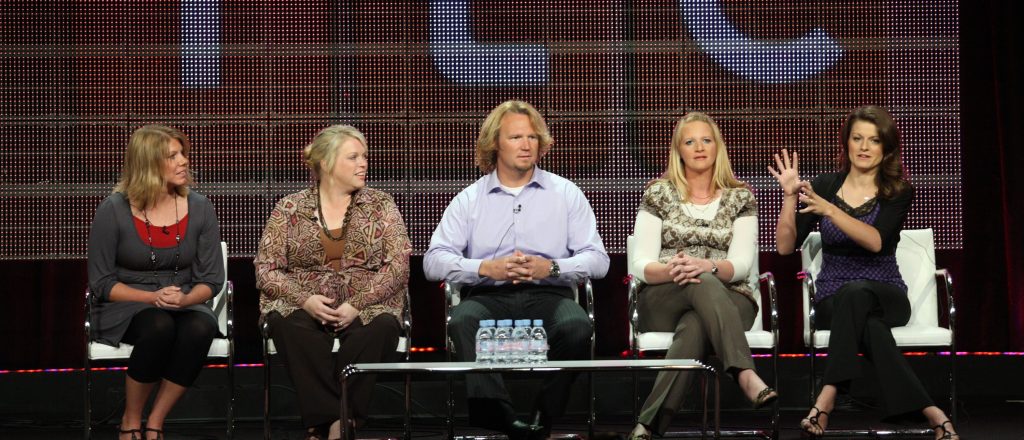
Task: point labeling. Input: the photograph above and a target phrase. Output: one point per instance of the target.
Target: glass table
(457, 368)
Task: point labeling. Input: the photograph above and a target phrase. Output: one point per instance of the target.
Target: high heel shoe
(946, 435)
(130, 431)
(807, 423)
(765, 397)
(159, 432)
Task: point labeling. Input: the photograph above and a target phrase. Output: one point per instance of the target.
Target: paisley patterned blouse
(699, 238)
(374, 274)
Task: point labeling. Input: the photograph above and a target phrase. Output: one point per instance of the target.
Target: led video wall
(251, 81)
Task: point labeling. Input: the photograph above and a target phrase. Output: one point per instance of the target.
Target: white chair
(221, 348)
(403, 349)
(452, 295)
(915, 256)
(760, 336)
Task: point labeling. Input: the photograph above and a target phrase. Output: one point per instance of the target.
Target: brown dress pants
(705, 318)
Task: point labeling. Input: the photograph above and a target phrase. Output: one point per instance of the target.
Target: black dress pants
(305, 345)
(861, 315)
(169, 344)
(566, 323)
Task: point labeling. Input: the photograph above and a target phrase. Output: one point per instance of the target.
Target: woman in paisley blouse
(333, 263)
(859, 293)
(696, 241)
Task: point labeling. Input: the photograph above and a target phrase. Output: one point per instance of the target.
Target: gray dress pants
(705, 318)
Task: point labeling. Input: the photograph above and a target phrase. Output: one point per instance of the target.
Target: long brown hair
(891, 178)
(142, 177)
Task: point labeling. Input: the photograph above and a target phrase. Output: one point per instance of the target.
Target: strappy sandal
(159, 432)
(946, 435)
(130, 431)
(812, 422)
(645, 436)
(765, 397)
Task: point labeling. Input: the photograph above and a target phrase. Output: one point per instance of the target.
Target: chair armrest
(451, 298)
(229, 291)
(634, 316)
(948, 284)
(407, 323)
(88, 326)
(773, 305)
(588, 290)
(808, 281)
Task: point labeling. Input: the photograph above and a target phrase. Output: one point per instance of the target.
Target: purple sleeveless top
(837, 270)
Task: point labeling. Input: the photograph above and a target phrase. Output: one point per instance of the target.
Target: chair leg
(952, 385)
(266, 394)
(775, 405)
(87, 417)
(408, 407)
(810, 379)
(231, 397)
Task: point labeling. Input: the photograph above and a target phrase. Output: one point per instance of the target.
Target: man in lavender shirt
(517, 239)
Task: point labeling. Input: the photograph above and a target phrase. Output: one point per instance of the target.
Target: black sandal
(812, 422)
(130, 431)
(765, 397)
(159, 432)
(946, 435)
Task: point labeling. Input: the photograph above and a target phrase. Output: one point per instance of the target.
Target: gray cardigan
(117, 254)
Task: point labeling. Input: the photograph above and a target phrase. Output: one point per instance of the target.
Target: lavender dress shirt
(550, 217)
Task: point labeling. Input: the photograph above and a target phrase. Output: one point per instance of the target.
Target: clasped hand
(170, 297)
(338, 318)
(685, 269)
(518, 267)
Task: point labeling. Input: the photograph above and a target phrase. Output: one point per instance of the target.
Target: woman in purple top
(860, 296)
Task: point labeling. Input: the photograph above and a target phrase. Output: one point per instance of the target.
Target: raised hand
(788, 173)
(815, 204)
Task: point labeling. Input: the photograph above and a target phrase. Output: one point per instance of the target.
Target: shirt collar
(540, 179)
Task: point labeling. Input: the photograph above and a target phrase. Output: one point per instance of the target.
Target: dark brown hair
(891, 178)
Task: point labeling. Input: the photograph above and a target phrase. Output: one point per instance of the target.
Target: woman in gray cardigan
(154, 265)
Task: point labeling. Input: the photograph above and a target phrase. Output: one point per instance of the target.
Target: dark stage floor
(50, 404)
(978, 420)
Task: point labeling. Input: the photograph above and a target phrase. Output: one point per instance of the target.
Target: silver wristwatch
(555, 271)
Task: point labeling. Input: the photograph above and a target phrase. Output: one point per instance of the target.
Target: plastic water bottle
(503, 342)
(520, 342)
(538, 351)
(485, 342)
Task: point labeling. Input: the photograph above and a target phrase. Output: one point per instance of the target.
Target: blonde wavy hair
(142, 177)
(676, 172)
(325, 145)
(487, 142)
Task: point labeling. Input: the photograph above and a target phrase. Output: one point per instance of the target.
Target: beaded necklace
(323, 220)
(177, 242)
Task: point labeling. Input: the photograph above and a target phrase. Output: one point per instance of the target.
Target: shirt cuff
(470, 268)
